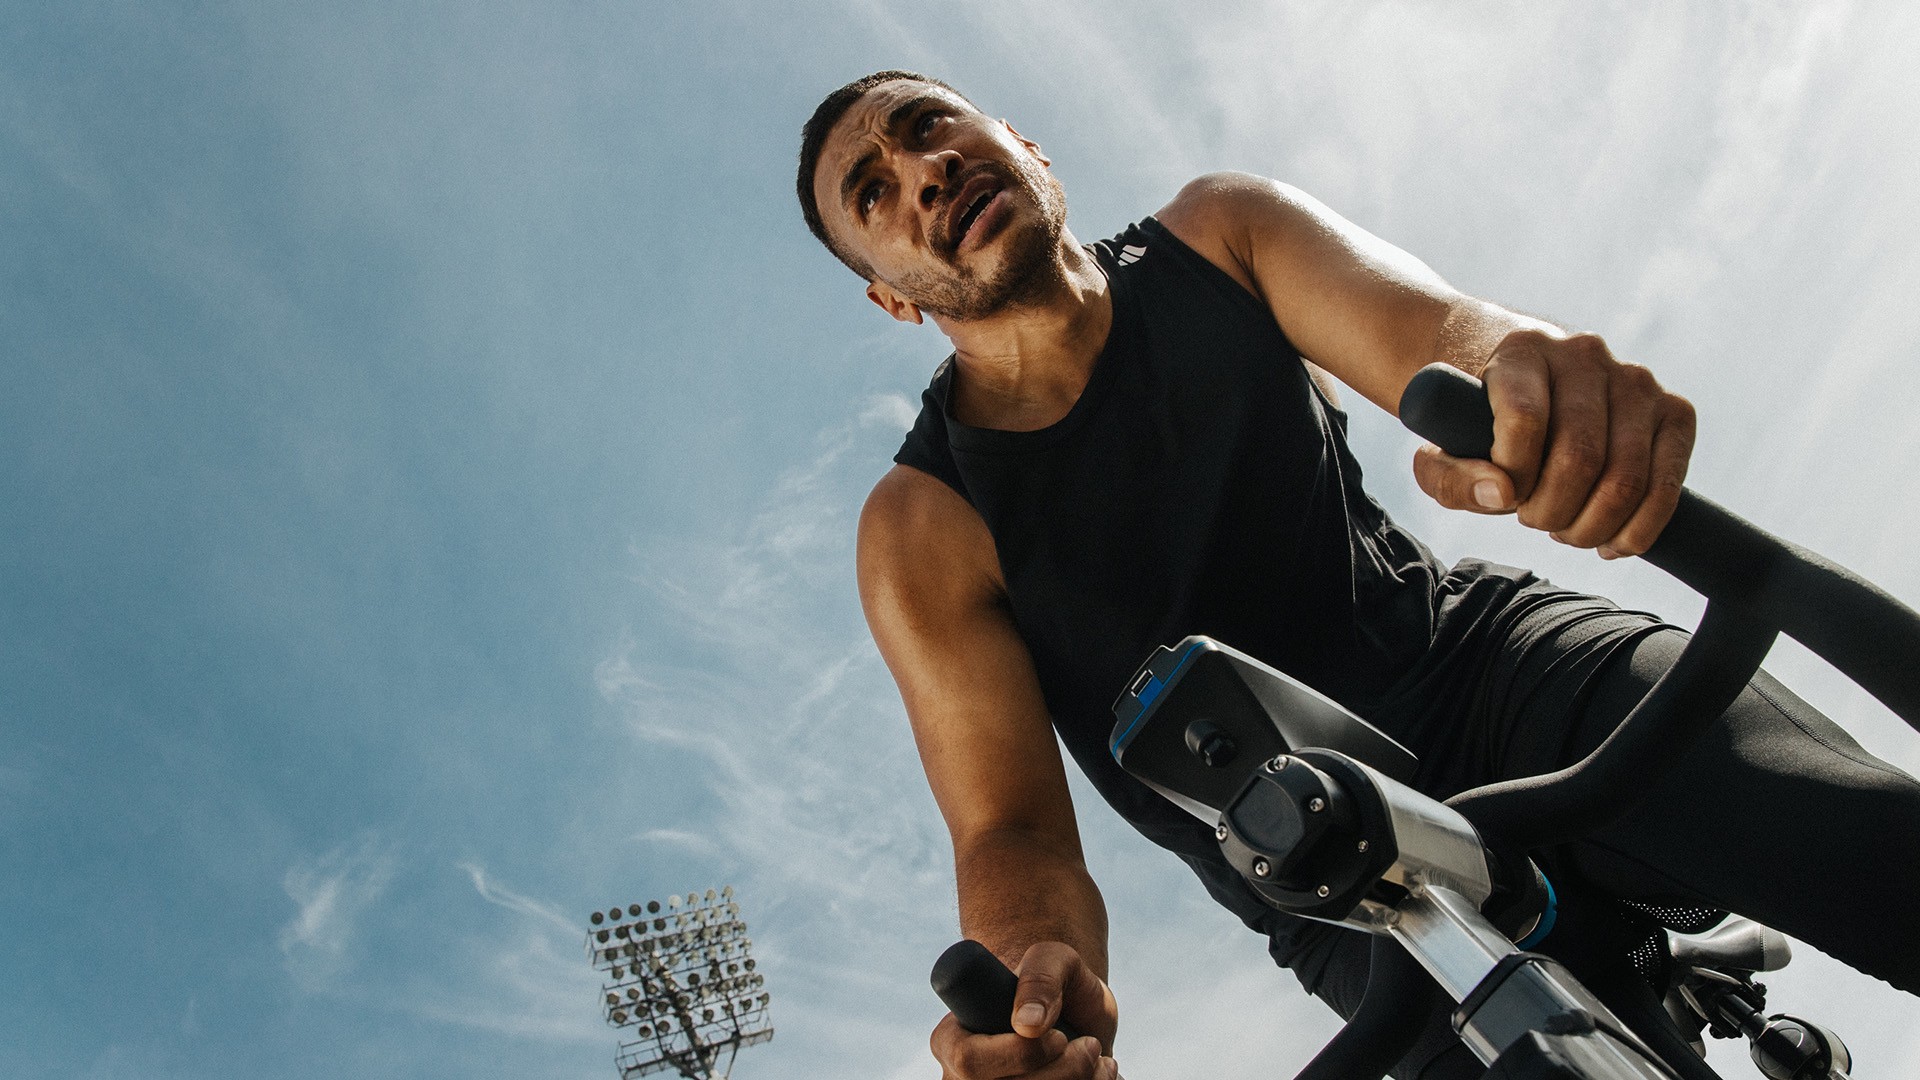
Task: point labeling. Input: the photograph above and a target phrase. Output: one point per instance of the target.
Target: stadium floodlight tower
(679, 976)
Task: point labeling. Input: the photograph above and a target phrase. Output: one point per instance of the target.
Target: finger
(1043, 975)
(1052, 979)
(1057, 988)
(1081, 1061)
(1519, 389)
(1576, 447)
(1462, 483)
(964, 1055)
(1633, 418)
(1672, 448)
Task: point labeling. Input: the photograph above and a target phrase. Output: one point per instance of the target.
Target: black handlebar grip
(1448, 408)
(978, 989)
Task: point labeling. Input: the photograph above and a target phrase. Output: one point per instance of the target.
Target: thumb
(1463, 483)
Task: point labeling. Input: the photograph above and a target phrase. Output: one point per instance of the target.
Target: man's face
(954, 213)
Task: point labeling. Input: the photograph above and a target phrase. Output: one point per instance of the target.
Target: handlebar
(1851, 622)
(978, 989)
(1755, 584)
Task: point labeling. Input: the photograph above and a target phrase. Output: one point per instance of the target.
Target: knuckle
(981, 1056)
(1535, 515)
(1618, 492)
(1665, 487)
(1580, 456)
(1525, 337)
(1522, 412)
(1637, 379)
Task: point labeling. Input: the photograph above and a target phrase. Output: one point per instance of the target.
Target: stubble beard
(1027, 270)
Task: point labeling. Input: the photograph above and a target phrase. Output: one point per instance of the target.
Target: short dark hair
(813, 138)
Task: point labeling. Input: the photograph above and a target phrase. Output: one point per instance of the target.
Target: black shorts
(1775, 796)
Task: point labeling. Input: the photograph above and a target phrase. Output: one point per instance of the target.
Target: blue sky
(430, 443)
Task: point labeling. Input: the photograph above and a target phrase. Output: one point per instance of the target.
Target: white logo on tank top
(1131, 253)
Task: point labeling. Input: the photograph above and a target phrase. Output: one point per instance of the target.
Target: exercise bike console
(1201, 717)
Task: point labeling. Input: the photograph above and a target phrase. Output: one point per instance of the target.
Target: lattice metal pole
(680, 975)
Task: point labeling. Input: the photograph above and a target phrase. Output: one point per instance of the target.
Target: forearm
(1472, 329)
(1018, 888)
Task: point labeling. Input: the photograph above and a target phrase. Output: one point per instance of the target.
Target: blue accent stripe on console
(1150, 693)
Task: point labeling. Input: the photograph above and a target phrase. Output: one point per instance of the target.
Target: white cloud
(891, 411)
(524, 985)
(501, 896)
(696, 843)
(332, 893)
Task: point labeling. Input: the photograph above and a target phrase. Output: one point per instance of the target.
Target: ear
(893, 303)
(1032, 147)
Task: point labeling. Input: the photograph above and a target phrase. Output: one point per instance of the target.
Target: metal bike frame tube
(1451, 939)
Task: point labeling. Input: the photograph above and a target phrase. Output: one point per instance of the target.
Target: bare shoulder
(1231, 218)
(923, 547)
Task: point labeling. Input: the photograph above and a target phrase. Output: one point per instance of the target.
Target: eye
(869, 195)
(923, 124)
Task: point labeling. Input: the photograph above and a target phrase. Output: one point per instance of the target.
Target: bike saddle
(1735, 945)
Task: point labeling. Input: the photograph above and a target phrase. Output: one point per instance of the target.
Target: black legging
(1776, 814)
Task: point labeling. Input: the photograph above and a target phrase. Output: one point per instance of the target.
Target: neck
(1023, 368)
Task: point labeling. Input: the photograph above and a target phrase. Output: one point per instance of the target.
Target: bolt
(1363, 845)
(1316, 804)
(1261, 868)
(1324, 891)
(1278, 763)
(1220, 832)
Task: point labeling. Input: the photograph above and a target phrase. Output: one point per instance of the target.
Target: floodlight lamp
(619, 1016)
(633, 910)
(600, 936)
(727, 892)
(614, 914)
(711, 896)
(596, 918)
(646, 1032)
(653, 907)
(692, 898)
(673, 901)
(613, 999)
(748, 962)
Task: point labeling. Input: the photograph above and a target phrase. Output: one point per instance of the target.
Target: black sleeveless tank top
(1202, 484)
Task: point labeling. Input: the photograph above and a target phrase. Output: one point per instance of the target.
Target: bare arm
(1587, 448)
(930, 585)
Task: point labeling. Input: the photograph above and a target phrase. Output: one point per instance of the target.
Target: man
(1136, 441)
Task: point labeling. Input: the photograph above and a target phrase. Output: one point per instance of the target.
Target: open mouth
(968, 204)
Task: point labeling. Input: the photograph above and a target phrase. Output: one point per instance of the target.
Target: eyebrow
(895, 118)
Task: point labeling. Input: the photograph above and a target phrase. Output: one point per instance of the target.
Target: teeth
(973, 211)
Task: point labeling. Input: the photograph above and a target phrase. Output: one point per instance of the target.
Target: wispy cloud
(499, 895)
(525, 984)
(687, 840)
(332, 893)
(814, 791)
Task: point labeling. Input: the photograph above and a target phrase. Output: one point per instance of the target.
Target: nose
(938, 168)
